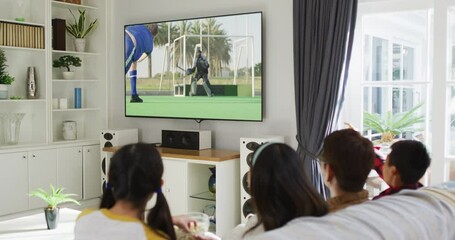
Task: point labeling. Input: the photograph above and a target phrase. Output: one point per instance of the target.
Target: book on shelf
(21, 35)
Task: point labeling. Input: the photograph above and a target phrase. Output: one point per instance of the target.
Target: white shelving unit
(42, 124)
(91, 77)
(41, 149)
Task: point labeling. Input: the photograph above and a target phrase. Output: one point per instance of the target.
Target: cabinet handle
(33, 155)
(88, 150)
(24, 157)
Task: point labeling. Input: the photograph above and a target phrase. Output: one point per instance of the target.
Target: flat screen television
(199, 68)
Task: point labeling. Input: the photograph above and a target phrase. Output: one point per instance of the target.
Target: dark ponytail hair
(280, 189)
(135, 173)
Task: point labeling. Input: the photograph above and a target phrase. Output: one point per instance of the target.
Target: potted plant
(66, 62)
(5, 78)
(53, 199)
(79, 31)
(391, 125)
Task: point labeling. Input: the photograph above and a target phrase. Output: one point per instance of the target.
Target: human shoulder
(153, 234)
(244, 229)
(85, 212)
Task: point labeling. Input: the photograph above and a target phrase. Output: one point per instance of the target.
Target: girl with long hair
(280, 191)
(134, 176)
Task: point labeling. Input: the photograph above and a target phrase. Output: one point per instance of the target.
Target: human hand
(184, 222)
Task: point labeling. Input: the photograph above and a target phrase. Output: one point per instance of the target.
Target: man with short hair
(346, 161)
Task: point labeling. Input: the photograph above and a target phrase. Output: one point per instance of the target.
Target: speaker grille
(180, 139)
(246, 208)
(248, 146)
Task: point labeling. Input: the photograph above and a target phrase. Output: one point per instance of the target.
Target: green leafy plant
(390, 125)
(67, 61)
(77, 28)
(5, 78)
(54, 197)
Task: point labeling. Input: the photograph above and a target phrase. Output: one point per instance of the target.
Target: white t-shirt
(103, 224)
(239, 231)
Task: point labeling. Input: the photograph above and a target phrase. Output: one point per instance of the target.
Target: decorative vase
(31, 83)
(68, 75)
(79, 44)
(3, 91)
(69, 130)
(51, 215)
(11, 126)
(212, 180)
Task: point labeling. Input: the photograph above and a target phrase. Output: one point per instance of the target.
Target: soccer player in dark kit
(201, 67)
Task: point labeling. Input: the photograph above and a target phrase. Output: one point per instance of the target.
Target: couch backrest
(427, 214)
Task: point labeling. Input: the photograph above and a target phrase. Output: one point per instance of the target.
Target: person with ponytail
(135, 175)
(280, 191)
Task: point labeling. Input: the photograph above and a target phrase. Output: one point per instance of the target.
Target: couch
(427, 214)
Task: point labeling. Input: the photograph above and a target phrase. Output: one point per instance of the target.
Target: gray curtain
(323, 36)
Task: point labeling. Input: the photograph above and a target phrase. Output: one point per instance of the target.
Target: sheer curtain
(323, 36)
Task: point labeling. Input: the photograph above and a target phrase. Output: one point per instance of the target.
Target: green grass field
(196, 107)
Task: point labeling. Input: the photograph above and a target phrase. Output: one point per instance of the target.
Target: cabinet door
(69, 170)
(174, 185)
(91, 171)
(42, 172)
(13, 183)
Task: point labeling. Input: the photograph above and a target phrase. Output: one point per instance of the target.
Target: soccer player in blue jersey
(138, 46)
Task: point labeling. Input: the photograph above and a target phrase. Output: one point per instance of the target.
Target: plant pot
(51, 215)
(68, 75)
(3, 91)
(79, 44)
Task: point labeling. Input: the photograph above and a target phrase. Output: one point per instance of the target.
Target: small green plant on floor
(54, 197)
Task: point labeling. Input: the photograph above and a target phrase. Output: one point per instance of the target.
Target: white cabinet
(91, 172)
(174, 185)
(13, 182)
(69, 170)
(75, 168)
(186, 176)
(42, 172)
(42, 124)
(78, 171)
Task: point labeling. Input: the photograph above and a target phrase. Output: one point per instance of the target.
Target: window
(400, 61)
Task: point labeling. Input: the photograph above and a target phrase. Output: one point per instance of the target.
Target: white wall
(279, 110)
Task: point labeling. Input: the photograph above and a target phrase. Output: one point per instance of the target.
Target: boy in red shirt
(403, 167)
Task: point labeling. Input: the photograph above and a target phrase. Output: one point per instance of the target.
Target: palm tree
(218, 47)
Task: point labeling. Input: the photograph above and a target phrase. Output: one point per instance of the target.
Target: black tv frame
(200, 18)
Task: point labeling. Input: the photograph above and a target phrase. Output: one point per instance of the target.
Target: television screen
(199, 68)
